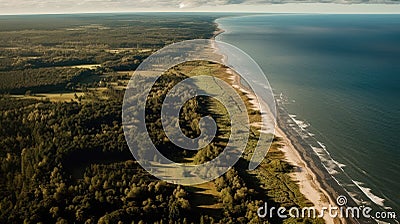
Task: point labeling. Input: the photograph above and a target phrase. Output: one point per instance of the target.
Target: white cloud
(57, 6)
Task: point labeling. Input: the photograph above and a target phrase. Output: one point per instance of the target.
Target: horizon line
(185, 12)
(309, 8)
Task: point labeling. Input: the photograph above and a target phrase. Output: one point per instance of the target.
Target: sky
(79, 6)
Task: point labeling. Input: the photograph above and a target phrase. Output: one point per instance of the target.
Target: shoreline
(323, 181)
(304, 176)
(217, 32)
(314, 182)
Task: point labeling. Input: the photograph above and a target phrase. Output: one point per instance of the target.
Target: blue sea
(338, 76)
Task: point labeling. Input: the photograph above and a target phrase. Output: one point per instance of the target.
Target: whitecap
(367, 191)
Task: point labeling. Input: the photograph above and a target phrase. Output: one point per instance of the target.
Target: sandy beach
(327, 136)
(314, 181)
(306, 178)
(308, 183)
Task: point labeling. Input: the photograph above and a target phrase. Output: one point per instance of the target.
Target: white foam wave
(302, 124)
(367, 191)
(325, 161)
(340, 165)
(354, 197)
(318, 150)
(332, 166)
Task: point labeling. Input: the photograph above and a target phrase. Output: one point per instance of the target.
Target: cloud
(38, 6)
(235, 1)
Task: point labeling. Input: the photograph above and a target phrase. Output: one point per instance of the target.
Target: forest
(63, 153)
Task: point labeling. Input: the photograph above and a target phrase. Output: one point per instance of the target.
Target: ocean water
(339, 78)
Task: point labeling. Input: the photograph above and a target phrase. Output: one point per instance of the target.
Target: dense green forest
(36, 47)
(67, 161)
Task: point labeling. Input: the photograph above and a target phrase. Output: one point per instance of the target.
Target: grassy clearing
(53, 97)
(272, 178)
(91, 66)
(205, 195)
